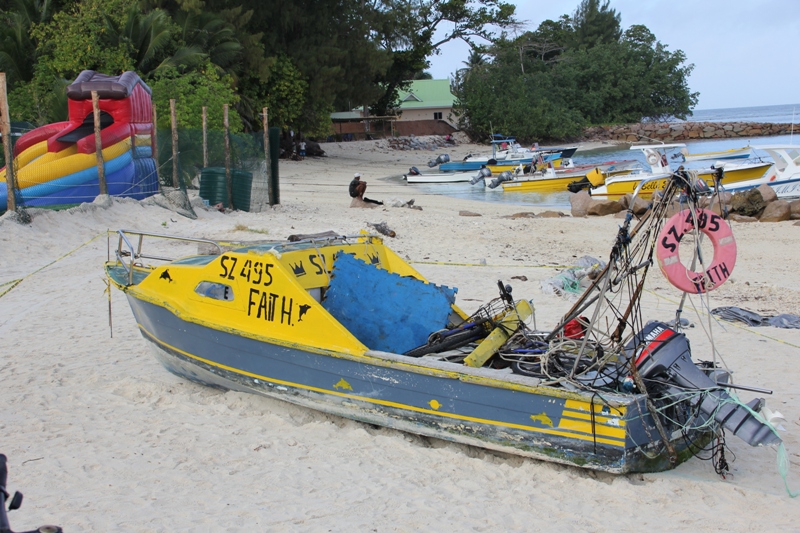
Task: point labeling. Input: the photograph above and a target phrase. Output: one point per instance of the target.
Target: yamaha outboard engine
(663, 358)
(579, 185)
(504, 176)
(414, 171)
(443, 158)
(482, 175)
(701, 187)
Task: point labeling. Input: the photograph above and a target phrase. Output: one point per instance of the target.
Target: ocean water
(779, 114)
(560, 201)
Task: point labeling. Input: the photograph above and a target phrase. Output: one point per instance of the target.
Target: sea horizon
(779, 114)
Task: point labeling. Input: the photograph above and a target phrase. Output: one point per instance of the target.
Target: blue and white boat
(507, 151)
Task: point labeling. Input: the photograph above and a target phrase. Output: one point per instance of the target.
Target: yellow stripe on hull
(540, 185)
(619, 188)
(503, 166)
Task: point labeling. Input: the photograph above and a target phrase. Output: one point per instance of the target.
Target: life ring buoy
(719, 233)
(652, 157)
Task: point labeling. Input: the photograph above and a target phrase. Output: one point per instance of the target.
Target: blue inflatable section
(85, 192)
(125, 176)
(142, 151)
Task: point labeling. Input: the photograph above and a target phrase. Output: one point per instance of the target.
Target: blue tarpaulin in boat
(386, 311)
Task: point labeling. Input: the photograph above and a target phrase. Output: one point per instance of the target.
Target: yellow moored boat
(552, 180)
(656, 157)
(619, 186)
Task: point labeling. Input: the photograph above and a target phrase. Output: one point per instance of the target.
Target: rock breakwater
(684, 131)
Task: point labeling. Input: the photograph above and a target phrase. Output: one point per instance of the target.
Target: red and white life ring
(719, 233)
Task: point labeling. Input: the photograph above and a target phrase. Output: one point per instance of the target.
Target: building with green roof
(428, 100)
(426, 109)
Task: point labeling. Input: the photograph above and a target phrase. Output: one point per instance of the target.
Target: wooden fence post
(205, 137)
(155, 146)
(268, 167)
(98, 144)
(173, 118)
(5, 129)
(228, 178)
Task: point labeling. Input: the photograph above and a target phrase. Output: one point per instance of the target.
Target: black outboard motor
(15, 503)
(579, 185)
(701, 187)
(504, 176)
(443, 158)
(663, 356)
(414, 171)
(482, 175)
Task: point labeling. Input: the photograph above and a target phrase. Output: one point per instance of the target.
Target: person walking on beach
(358, 187)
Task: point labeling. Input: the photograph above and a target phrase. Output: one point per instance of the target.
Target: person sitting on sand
(357, 187)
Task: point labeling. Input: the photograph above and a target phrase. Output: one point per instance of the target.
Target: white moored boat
(440, 177)
(783, 176)
(734, 153)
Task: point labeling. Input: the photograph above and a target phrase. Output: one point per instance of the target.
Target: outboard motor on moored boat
(481, 176)
(664, 360)
(443, 158)
(414, 171)
(504, 176)
(579, 185)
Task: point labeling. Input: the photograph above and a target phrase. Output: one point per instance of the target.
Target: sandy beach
(100, 437)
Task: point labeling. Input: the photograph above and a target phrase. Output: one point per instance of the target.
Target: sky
(744, 51)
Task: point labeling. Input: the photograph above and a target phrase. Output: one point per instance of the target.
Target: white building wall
(425, 114)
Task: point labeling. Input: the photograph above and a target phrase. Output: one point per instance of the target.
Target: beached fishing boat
(345, 326)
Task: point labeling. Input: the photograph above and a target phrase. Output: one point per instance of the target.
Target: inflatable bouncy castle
(56, 163)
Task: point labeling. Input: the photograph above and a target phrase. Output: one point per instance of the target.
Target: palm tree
(149, 36)
(17, 49)
(207, 35)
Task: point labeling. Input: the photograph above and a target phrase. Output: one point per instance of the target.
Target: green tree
(408, 31)
(192, 91)
(558, 86)
(17, 47)
(147, 36)
(595, 24)
(79, 39)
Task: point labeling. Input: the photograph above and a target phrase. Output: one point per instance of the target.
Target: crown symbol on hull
(298, 269)
(373, 259)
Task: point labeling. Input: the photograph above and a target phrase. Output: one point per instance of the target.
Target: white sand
(101, 437)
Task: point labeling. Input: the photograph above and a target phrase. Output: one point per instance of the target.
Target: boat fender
(719, 233)
(652, 157)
